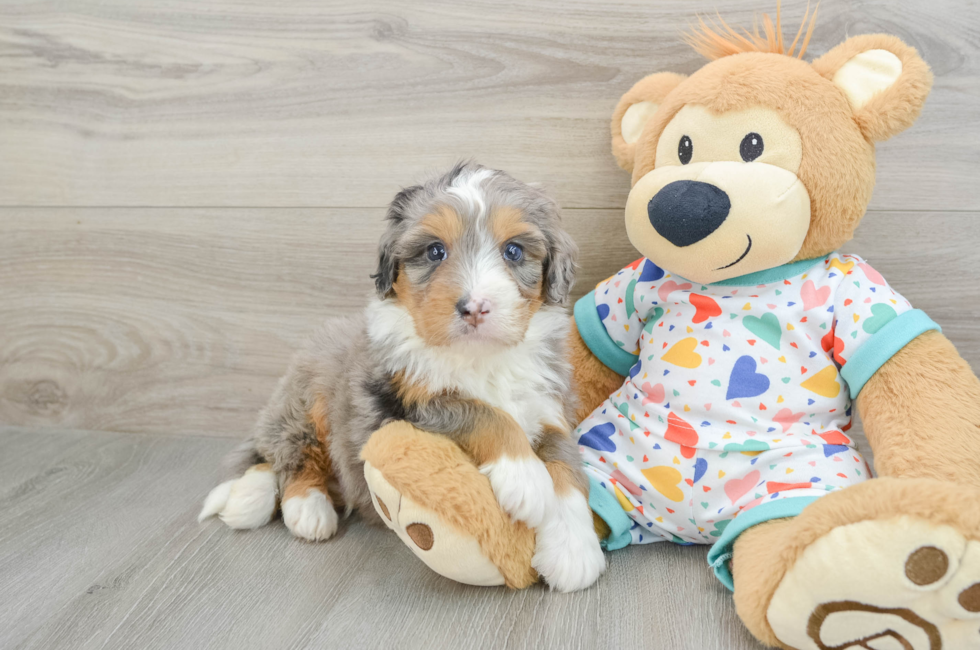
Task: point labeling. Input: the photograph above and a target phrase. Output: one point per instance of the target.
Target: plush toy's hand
(523, 488)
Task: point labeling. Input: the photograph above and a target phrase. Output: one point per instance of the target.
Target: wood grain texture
(313, 103)
(181, 320)
(99, 548)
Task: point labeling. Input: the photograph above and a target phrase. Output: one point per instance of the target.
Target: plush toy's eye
(751, 147)
(436, 252)
(513, 252)
(685, 149)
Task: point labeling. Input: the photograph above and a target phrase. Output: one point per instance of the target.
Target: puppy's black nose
(685, 212)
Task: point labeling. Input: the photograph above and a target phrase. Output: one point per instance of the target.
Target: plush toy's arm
(592, 381)
(921, 413)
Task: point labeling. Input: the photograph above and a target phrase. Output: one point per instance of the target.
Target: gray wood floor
(187, 188)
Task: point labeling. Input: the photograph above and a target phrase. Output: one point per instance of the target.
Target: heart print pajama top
(737, 399)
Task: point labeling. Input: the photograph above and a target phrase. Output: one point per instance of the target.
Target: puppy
(466, 338)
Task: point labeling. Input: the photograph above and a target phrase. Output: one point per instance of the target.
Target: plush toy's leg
(432, 495)
(891, 563)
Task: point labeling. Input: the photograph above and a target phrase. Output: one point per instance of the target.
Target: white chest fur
(529, 381)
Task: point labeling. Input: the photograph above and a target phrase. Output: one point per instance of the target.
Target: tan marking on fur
(420, 465)
(316, 472)
(444, 223)
(565, 479)
(507, 223)
(592, 381)
(496, 434)
(433, 308)
(719, 39)
(410, 393)
(758, 571)
(261, 467)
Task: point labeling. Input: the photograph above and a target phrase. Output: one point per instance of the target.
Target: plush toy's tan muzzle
(712, 221)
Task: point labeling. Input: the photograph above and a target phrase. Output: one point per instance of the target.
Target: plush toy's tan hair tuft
(715, 40)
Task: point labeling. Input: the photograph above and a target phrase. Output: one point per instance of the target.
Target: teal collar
(767, 276)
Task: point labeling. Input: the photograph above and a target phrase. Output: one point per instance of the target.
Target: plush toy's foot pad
(883, 584)
(444, 549)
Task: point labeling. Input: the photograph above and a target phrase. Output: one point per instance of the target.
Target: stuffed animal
(717, 374)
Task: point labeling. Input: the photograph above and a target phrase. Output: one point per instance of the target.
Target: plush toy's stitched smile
(740, 258)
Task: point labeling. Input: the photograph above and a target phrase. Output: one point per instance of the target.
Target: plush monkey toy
(717, 374)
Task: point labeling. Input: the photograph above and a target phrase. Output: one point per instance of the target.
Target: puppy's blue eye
(436, 252)
(513, 252)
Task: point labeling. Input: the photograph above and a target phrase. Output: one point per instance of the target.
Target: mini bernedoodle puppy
(465, 338)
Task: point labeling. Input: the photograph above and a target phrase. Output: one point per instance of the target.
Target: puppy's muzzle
(685, 212)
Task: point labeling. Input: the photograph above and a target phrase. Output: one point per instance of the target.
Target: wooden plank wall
(186, 189)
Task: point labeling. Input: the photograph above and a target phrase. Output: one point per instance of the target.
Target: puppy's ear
(387, 274)
(561, 263)
(635, 109)
(886, 82)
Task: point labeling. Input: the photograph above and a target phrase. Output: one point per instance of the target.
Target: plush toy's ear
(886, 82)
(635, 109)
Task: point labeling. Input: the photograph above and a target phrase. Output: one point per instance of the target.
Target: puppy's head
(473, 254)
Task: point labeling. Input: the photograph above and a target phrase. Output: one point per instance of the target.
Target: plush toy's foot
(889, 564)
(445, 550)
(433, 496)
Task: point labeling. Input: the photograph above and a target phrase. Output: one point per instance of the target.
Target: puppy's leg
(567, 552)
(307, 509)
(499, 445)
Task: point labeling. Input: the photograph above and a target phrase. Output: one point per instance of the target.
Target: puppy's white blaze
(251, 500)
(467, 187)
(486, 277)
(311, 517)
(525, 380)
(523, 487)
(216, 500)
(567, 552)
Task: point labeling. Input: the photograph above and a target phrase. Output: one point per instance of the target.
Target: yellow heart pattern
(664, 480)
(824, 383)
(682, 354)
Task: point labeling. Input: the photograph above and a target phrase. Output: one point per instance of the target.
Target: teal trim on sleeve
(767, 276)
(607, 507)
(721, 552)
(882, 346)
(594, 333)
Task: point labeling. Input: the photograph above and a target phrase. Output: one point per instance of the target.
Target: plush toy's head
(759, 158)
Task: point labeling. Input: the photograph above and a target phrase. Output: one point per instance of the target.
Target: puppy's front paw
(311, 516)
(523, 487)
(567, 552)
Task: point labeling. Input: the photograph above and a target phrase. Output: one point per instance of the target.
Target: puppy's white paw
(523, 487)
(310, 517)
(567, 552)
(244, 503)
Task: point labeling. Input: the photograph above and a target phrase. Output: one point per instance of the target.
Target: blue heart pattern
(745, 381)
(598, 437)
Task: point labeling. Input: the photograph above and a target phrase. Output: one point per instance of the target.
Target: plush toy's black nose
(685, 212)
